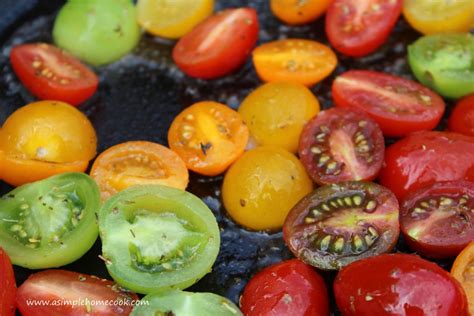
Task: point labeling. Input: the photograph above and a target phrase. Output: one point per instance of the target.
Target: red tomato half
(50, 73)
(424, 158)
(7, 286)
(287, 288)
(399, 105)
(398, 284)
(73, 294)
(357, 28)
(462, 117)
(218, 45)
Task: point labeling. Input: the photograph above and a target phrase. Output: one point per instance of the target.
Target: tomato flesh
(358, 28)
(287, 288)
(398, 284)
(295, 12)
(462, 117)
(340, 145)
(463, 271)
(341, 223)
(7, 286)
(400, 106)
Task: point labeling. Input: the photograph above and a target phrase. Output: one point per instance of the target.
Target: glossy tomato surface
(462, 117)
(7, 285)
(463, 271)
(358, 28)
(218, 45)
(288, 288)
(398, 284)
(425, 158)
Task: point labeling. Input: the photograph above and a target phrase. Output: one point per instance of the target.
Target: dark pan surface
(140, 95)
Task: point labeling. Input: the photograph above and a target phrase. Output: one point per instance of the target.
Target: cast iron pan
(139, 96)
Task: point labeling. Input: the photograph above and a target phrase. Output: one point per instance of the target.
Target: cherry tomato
(52, 74)
(398, 284)
(69, 293)
(429, 17)
(276, 112)
(208, 136)
(462, 117)
(138, 163)
(399, 105)
(424, 158)
(296, 12)
(172, 19)
(463, 271)
(218, 45)
(45, 138)
(358, 28)
(287, 288)
(297, 60)
(262, 186)
(7, 286)
(341, 145)
(340, 223)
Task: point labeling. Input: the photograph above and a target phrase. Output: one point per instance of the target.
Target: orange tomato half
(463, 271)
(138, 163)
(297, 60)
(296, 12)
(209, 136)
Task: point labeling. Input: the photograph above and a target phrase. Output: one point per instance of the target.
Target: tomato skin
(54, 285)
(287, 288)
(398, 284)
(363, 33)
(388, 100)
(218, 45)
(7, 285)
(424, 158)
(65, 78)
(462, 117)
(463, 272)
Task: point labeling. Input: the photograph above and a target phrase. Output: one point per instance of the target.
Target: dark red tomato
(341, 145)
(341, 223)
(287, 288)
(50, 73)
(424, 158)
(7, 286)
(398, 284)
(438, 221)
(357, 28)
(462, 117)
(218, 45)
(399, 105)
(73, 294)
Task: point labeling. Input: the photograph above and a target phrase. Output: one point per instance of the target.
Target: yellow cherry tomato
(172, 18)
(276, 113)
(296, 12)
(262, 186)
(439, 16)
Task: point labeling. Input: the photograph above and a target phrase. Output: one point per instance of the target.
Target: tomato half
(45, 138)
(463, 271)
(208, 136)
(7, 286)
(218, 45)
(180, 303)
(398, 284)
(157, 238)
(276, 112)
(52, 74)
(66, 293)
(296, 60)
(50, 223)
(438, 221)
(424, 158)
(341, 145)
(358, 28)
(138, 163)
(340, 223)
(296, 12)
(287, 288)
(262, 186)
(462, 117)
(400, 106)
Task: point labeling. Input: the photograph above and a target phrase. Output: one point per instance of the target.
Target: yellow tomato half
(298, 11)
